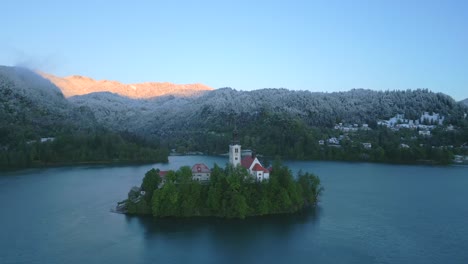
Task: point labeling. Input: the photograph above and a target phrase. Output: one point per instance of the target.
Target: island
(241, 189)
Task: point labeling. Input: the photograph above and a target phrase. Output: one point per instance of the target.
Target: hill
(33, 107)
(220, 109)
(80, 85)
(289, 123)
(465, 102)
(38, 127)
(272, 121)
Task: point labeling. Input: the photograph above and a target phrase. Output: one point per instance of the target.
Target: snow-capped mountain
(81, 85)
(30, 99)
(221, 108)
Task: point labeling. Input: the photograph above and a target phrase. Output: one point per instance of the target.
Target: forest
(79, 148)
(32, 108)
(277, 135)
(230, 193)
(271, 121)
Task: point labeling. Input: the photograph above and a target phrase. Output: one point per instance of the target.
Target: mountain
(32, 107)
(272, 121)
(80, 85)
(40, 127)
(465, 102)
(220, 109)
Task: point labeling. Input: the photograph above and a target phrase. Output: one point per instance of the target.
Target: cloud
(17, 57)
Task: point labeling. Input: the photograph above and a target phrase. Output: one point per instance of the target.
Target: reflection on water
(281, 224)
(218, 240)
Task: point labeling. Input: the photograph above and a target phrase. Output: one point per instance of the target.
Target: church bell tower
(235, 150)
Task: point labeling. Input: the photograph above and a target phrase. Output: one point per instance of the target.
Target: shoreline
(81, 163)
(127, 162)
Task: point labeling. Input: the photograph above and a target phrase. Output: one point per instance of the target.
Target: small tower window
(236, 150)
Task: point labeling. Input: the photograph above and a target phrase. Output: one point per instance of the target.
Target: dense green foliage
(231, 193)
(70, 149)
(274, 135)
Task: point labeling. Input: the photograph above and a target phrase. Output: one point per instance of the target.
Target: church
(201, 172)
(251, 162)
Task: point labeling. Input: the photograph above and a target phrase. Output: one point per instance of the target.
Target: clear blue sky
(306, 45)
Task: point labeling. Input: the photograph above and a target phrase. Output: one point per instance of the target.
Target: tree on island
(231, 193)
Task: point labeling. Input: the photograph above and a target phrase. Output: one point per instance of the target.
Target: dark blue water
(370, 213)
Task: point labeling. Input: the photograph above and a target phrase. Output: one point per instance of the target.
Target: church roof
(163, 174)
(246, 162)
(258, 167)
(200, 168)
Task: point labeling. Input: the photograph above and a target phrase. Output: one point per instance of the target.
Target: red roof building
(200, 168)
(200, 172)
(246, 162)
(258, 167)
(163, 174)
(251, 163)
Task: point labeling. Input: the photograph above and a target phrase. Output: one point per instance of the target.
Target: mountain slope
(465, 102)
(272, 121)
(218, 110)
(80, 85)
(31, 107)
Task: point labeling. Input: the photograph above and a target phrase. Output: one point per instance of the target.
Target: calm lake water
(370, 213)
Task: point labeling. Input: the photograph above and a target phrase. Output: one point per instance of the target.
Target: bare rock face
(80, 85)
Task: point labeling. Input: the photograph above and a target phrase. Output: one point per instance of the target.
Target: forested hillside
(38, 126)
(272, 121)
(288, 123)
(32, 107)
(214, 111)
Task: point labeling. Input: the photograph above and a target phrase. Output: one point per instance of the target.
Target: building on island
(200, 172)
(251, 162)
(255, 168)
(235, 150)
(162, 175)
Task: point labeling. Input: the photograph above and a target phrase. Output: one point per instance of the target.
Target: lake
(369, 213)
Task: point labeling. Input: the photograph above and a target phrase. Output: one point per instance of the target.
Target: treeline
(231, 193)
(104, 147)
(277, 135)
